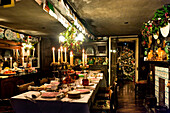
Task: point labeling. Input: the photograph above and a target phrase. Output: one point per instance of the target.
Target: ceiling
(30, 18)
(100, 17)
(115, 17)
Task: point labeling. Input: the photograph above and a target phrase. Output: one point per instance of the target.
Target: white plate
(8, 34)
(165, 30)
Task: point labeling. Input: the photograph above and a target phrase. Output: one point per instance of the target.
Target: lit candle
(53, 54)
(33, 52)
(5, 59)
(71, 58)
(22, 61)
(83, 56)
(10, 62)
(65, 54)
(61, 54)
(58, 55)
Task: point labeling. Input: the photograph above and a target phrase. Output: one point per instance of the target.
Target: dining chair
(105, 101)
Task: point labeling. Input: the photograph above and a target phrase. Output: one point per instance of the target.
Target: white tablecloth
(51, 105)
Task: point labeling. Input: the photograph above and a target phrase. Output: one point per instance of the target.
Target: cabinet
(96, 48)
(8, 86)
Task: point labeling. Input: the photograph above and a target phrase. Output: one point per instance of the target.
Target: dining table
(25, 103)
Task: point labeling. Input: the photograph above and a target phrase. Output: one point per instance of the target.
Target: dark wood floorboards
(126, 99)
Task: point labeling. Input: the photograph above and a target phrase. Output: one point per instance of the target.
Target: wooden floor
(126, 99)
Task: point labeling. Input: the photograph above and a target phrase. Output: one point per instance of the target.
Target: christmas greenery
(70, 41)
(160, 19)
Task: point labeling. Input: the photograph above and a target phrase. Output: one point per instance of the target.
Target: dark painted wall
(46, 54)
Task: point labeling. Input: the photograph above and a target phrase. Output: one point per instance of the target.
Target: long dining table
(24, 103)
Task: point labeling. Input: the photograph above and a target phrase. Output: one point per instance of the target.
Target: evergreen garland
(160, 19)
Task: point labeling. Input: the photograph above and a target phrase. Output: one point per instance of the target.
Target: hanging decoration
(71, 38)
(127, 62)
(159, 22)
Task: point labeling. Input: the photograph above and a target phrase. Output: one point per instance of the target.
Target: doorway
(114, 50)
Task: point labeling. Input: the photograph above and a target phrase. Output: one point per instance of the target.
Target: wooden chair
(24, 87)
(140, 88)
(105, 101)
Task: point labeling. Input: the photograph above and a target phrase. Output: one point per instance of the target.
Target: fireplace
(161, 89)
(161, 92)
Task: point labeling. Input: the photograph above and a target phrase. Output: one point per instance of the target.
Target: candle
(17, 54)
(22, 61)
(58, 55)
(28, 52)
(10, 62)
(33, 52)
(65, 54)
(83, 57)
(53, 54)
(61, 54)
(14, 52)
(5, 59)
(71, 58)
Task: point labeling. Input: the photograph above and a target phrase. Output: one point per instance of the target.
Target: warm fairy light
(61, 38)
(80, 37)
(114, 51)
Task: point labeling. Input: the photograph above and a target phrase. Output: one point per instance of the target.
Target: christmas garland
(160, 19)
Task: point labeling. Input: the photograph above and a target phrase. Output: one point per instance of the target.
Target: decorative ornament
(156, 35)
(158, 41)
(8, 34)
